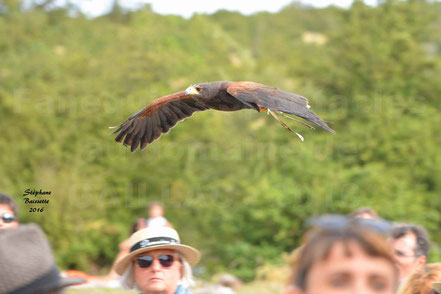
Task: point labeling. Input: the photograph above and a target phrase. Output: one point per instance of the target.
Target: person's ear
(291, 289)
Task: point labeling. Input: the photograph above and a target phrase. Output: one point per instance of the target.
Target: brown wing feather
(272, 98)
(264, 94)
(157, 118)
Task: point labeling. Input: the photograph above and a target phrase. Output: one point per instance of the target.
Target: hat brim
(66, 282)
(437, 286)
(191, 255)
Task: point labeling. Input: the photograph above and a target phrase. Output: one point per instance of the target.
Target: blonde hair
(128, 283)
(420, 282)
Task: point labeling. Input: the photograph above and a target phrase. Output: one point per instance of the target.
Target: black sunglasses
(165, 260)
(338, 222)
(8, 217)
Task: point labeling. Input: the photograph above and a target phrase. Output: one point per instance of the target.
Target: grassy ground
(97, 291)
(269, 280)
(261, 287)
(258, 287)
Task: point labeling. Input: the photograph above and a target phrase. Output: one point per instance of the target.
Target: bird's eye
(198, 89)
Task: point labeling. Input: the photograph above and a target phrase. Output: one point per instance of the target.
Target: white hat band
(154, 242)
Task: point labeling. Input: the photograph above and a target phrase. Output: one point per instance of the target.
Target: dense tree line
(235, 185)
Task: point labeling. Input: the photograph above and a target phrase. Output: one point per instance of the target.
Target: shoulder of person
(182, 290)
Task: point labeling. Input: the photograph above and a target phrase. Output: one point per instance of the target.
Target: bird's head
(194, 90)
(204, 90)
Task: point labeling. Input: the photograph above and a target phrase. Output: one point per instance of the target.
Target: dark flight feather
(164, 113)
(275, 99)
(159, 117)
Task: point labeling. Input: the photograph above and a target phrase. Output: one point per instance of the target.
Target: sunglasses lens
(147, 260)
(337, 222)
(8, 218)
(328, 221)
(144, 261)
(166, 260)
(377, 225)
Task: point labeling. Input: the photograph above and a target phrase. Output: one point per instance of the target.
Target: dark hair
(422, 237)
(320, 243)
(7, 200)
(362, 210)
(134, 228)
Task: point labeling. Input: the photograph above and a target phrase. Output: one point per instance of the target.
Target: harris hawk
(158, 117)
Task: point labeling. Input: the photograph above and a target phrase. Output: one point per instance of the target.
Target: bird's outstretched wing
(158, 117)
(259, 95)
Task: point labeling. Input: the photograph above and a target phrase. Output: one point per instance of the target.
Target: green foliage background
(235, 185)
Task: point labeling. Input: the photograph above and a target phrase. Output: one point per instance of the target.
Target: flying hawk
(158, 117)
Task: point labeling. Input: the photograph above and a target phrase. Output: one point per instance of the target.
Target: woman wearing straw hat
(157, 263)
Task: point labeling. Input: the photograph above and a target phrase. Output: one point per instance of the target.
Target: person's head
(157, 262)
(411, 247)
(8, 212)
(27, 263)
(364, 212)
(138, 225)
(344, 260)
(420, 282)
(156, 209)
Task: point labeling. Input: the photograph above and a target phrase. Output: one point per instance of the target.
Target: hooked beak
(191, 91)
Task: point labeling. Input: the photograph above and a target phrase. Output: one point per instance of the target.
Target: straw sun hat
(156, 238)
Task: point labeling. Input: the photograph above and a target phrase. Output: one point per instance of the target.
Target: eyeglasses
(400, 253)
(338, 222)
(8, 217)
(165, 260)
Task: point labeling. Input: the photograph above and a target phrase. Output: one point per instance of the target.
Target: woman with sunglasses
(157, 263)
